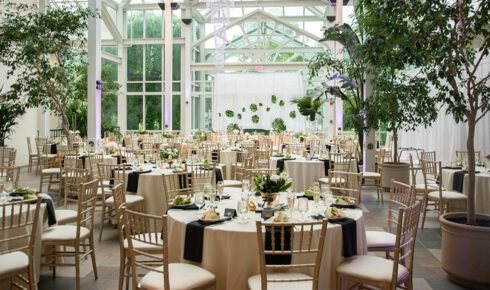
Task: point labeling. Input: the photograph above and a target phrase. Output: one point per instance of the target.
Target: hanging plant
(292, 114)
(273, 99)
(260, 104)
(255, 119)
(268, 109)
(243, 109)
(278, 125)
(239, 116)
(253, 108)
(309, 107)
(232, 126)
(229, 113)
(219, 115)
(281, 103)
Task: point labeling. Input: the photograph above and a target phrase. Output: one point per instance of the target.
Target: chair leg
(41, 183)
(102, 219)
(380, 189)
(92, 255)
(77, 266)
(122, 265)
(425, 212)
(339, 283)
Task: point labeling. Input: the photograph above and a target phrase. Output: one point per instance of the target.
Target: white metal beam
(111, 57)
(134, 41)
(93, 74)
(111, 26)
(111, 3)
(168, 65)
(238, 4)
(250, 66)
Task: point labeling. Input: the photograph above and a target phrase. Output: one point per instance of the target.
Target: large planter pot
(466, 251)
(398, 171)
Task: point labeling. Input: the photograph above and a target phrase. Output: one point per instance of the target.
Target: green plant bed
(251, 131)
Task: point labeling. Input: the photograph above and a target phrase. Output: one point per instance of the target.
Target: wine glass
(3, 195)
(207, 189)
(290, 189)
(212, 196)
(303, 207)
(291, 199)
(220, 186)
(9, 186)
(199, 201)
(246, 185)
(242, 210)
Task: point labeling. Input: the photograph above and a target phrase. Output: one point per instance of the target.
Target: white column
(93, 74)
(185, 103)
(121, 72)
(339, 111)
(168, 64)
(370, 136)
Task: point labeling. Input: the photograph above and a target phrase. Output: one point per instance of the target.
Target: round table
(482, 187)
(304, 172)
(228, 158)
(230, 249)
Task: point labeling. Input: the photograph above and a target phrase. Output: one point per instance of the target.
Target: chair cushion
(232, 183)
(254, 282)
(377, 239)
(181, 276)
(327, 180)
(144, 246)
(13, 261)
(51, 171)
(63, 233)
(371, 174)
(421, 186)
(130, 199)
(66, 216)
(447, 195)
(372, 268)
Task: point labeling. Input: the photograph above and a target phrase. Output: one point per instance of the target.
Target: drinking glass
(242, 210)
(246, 185)
(303, 207)
(9, 186)
(207, 189)
(199, 201)
(290, 189)
(212, 196)
(220, 186)
(291, 199)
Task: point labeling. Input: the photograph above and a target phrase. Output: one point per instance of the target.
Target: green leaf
(268, 109)
(260, 104)
(253, 107)
(281, 103)
(292, 114)
(273, 99)
(255, 119)
(243, 109)
(229, 113)
(239, 116)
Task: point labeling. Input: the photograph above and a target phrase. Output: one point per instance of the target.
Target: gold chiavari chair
(204, 173)
(296, 240)
(252, 173)
(49, 172)
(33, 156)
(384, 273)
(419, 188)
(78, 237)
(18, 225)
(337, 162)
(401, 196)
(463, 155)
(91, 163)
(148, 230)
(428, 155)
(437, 199)
(262, 158)
(181, 183)
(346, 184)
(377, 176)
(73, 178)
(11, 174)
(110, 175)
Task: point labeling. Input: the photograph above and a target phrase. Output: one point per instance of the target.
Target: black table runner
(133, 179)
(194, 237)
(278, 259)
(349, 235)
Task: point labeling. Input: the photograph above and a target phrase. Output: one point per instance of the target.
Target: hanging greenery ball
(229, 113)
(239, 116)
(281, 103)
(260, 104)
(273, 99)
(253, 108)
(292, 114)
(268, 109)
(255, 119)
(243, 109)
(219, 115)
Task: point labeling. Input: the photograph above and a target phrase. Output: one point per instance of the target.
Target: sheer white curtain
(234, 91)
(445, 137)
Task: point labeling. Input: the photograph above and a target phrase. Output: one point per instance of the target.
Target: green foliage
(292, 114)
(267, 109)
(278, 125)
(232, 126)
(260, 104)
(10, 111)
(264, 184)
(281, 103)
(273, 99)
(229, 113)
(28, 36)
(253, 107)
(309, 107)
(219, 115)
(255, 119)
(243, 109)
(200, 135)
(239, 116)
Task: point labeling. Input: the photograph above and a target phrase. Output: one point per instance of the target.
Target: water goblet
(303, 207)
(246, 185)
(220, 186)
(242, 210)
(212, 197)
(291, 199)
(199, 201)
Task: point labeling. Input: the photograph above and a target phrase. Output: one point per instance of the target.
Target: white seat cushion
(51, 171)
(130, 198)
(232, 183)
(421, 186)
(63, 233)
(12, 262)
(66, 216)
(181, 276)
(254, 282)
(327, 180)
(145, 246)
(371, 174)
(372, 268)
(447, 195)
(377, 239)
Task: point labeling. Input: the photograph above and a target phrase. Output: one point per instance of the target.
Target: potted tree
(449, 41)
(42, 53)
(10, 110)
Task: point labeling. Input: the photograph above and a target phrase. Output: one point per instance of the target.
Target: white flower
(284, 175)
(275, 178)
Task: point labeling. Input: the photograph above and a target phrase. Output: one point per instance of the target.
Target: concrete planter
(398, 171)
(466, 251)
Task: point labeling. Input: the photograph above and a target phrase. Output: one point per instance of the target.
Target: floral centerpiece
(270, 185)
(110, 147)
(169, 153)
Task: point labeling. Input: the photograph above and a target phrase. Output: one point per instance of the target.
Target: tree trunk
(360, 136)
(395, 145)
(470, 147)
(66, 127)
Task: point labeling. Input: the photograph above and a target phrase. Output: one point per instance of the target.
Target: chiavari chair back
(204, 173)
(181, 183)
(463, 156)
(346, 184)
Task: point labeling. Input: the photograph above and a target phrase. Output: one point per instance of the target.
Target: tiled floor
(428, 273)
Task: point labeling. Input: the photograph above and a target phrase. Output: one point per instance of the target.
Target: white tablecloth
(304, 172)
(42, 224)
(227, 157)
(230, 249)
(482, 187)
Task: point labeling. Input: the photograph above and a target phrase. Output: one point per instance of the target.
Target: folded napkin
(185, 207)
(349, 235)
(326, 166)
(133, 179)
(50, 210)
(218, 174)
(53, 149)
(194, 237)
(451, 167)
(277, 259)
(344, 205)
(83, 158)
(280, 164)
(328, 147)
(309, 197)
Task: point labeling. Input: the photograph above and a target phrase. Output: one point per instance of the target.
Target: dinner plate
(180, 205)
